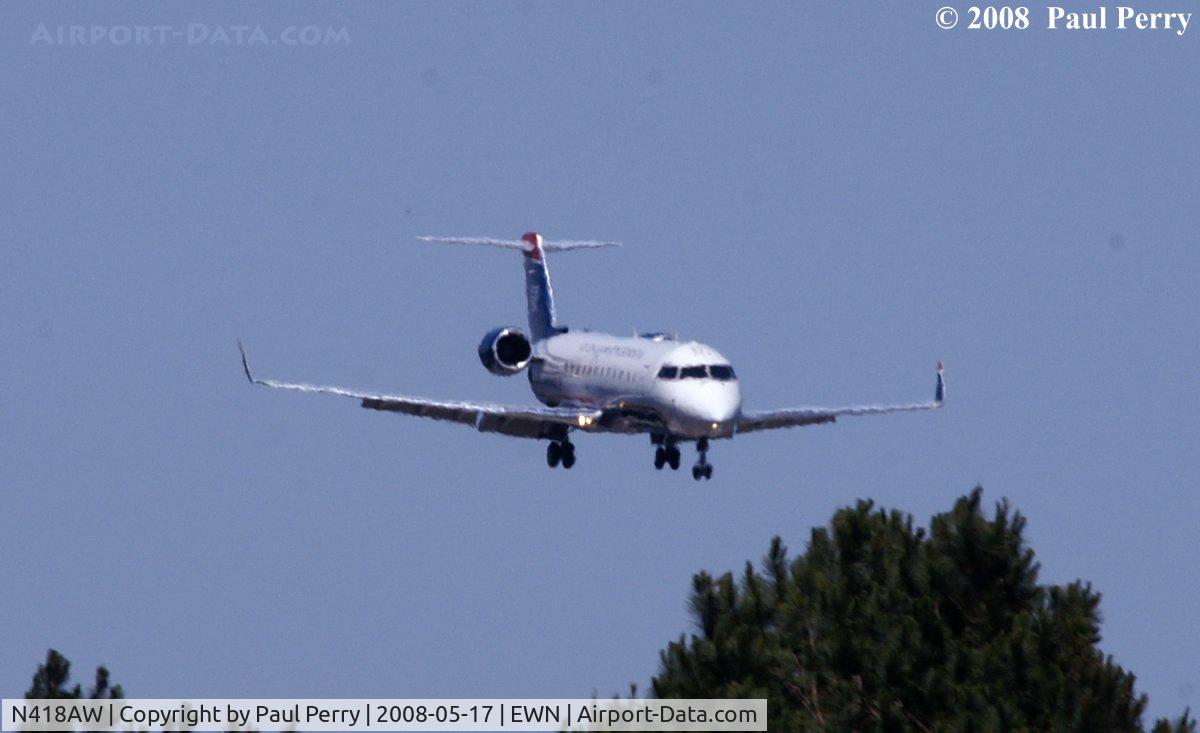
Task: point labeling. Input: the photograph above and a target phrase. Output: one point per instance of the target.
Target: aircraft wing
(522, 422)
(749, 422)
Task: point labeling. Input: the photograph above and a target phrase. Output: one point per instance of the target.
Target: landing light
(714, 426)
(584, 421)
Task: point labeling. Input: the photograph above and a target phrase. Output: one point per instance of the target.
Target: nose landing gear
(560, 452)
(702, 468)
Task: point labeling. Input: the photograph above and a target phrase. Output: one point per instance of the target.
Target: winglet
(939, 395)
(245, 364)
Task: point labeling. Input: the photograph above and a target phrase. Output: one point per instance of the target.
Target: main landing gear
(560, 451)
(702, 468)
(667, 455)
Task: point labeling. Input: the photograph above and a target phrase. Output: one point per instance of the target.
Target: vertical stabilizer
(538, 293)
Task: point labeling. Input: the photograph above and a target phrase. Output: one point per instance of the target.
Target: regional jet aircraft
(591, 382)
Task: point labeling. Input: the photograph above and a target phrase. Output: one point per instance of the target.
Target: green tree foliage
(51, 679)
(880, 625)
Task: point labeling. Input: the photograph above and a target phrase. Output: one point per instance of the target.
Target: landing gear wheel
(553, 454)
(702, 467)
(568, 456)
(667, 454)
(673, 458)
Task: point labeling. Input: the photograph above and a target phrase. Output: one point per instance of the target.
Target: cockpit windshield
(719, 372)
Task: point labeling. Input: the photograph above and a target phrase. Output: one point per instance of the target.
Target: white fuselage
(633, 377)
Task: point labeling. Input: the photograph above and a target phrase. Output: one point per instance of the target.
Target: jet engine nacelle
(505, 351)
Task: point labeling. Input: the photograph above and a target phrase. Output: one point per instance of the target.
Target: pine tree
(881, 625)
(51, 679)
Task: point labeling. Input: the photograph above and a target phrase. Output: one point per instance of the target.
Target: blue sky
(834, 196)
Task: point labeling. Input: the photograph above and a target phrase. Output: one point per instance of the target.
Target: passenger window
(668, 372)
(693, 372)
(722, 372)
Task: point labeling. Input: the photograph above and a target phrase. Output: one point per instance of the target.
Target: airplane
(590, 382)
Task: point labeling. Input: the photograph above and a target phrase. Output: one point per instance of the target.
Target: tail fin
(538, 293)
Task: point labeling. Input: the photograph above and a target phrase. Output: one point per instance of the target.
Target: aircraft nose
(707, 409)
(720, 411)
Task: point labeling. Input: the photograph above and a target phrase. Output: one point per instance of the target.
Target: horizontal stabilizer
(524, 245)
